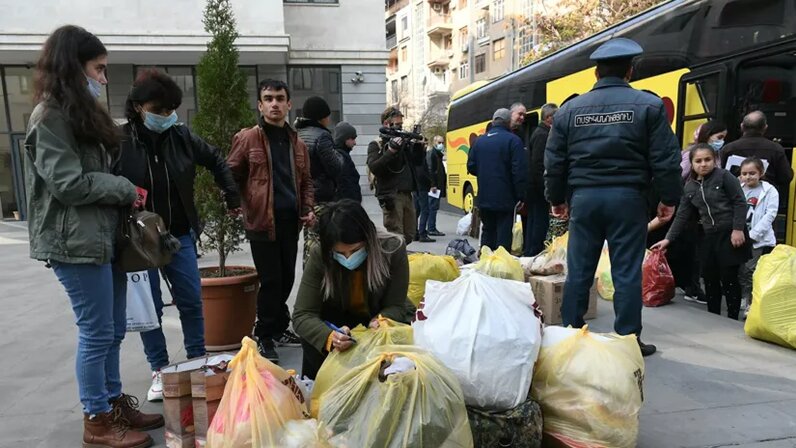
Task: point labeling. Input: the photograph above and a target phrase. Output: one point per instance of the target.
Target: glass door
(18, 174)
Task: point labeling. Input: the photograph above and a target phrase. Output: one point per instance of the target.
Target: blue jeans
(183, 274)
(536, 226)
(433, 208)
(421, 204)
(99, 300)
(619, 215)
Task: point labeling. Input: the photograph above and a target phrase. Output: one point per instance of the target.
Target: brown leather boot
(109, 431)
(137, 420)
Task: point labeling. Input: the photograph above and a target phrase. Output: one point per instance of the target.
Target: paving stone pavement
(709, 385)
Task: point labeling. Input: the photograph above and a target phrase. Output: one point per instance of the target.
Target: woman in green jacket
(352, 277)
(74, 204)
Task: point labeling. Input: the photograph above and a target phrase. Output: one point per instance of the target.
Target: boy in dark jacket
(345, 138)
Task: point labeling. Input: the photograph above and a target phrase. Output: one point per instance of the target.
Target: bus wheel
(469, 199)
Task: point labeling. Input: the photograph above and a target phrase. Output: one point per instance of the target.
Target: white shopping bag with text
(141, 314)
(486, 331)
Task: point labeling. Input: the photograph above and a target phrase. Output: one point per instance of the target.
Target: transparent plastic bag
(590, 387)
(368, 341)
(605, 284)
(517, 239)
(420, 408)
(423, 267)
(499, 264)
(259, 398)
(772, 316)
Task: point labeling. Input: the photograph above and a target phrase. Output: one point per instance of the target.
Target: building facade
(438, 47)
(330, 48)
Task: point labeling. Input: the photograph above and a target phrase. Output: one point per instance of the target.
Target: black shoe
(267, 350)
(287, 339)
(435, 233)
(417, 237)
(646, 349)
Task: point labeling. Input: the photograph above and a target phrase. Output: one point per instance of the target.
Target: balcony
(437, 85)
(440, 58)
(440, 24)
(392, 42)
(393, 6)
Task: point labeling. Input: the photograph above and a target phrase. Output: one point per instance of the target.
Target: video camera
(390, 133)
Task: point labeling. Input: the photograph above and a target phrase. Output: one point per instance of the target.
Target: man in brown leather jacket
(272, 167)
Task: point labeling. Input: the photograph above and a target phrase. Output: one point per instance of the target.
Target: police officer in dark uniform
(605, 149)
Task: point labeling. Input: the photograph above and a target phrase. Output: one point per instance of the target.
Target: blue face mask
(354, 261)
(716, 145)
(440, 147)
(94, 87)
(159, 123)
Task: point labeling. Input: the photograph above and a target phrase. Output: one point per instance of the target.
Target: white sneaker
(746, 311)
(156, 390)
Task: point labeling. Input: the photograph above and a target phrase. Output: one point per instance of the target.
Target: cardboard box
(178, 409)
(207, 388)
(549, 293)
(179, 440)
(178, 414)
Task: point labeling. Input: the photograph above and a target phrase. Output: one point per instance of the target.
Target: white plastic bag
(485, 330)
(463, 227)
(141, 314)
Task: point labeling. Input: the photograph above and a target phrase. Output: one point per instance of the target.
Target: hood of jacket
(303, 123)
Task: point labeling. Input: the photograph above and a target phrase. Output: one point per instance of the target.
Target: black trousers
(722, 281)
(497, 228)
(311, 361)
(276, 265)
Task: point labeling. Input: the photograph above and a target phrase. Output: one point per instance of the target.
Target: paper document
(435, 195)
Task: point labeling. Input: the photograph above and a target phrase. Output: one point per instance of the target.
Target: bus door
(701, 97)
(767, 82)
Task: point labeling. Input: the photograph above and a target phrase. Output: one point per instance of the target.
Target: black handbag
(143, 242)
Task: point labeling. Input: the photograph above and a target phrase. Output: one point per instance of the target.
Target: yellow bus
(707, 59)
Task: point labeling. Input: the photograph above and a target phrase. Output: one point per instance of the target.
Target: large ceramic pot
(229, 306)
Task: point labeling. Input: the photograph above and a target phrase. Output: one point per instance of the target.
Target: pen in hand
(339, 330)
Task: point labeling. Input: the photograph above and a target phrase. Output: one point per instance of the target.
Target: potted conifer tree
(229, 293)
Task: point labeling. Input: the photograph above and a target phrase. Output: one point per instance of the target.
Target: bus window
(736, 25)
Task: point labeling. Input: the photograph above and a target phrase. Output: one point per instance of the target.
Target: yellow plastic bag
(368, 341)
(773, 314)
(259, 398)
(605, 285)
(590, 387)
(421, 407)
(557, 249)
(517, 239)
(424, 267)
(499, 264)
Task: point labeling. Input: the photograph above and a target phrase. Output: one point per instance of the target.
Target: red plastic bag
(658, 282)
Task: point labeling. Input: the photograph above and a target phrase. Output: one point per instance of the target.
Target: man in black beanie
(325, 162)
(345, 138)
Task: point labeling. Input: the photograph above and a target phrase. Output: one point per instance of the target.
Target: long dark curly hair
(61, 78)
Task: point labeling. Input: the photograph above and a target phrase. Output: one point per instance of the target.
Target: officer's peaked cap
(618, 48)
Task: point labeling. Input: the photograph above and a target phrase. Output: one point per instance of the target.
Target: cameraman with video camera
(393, 160)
